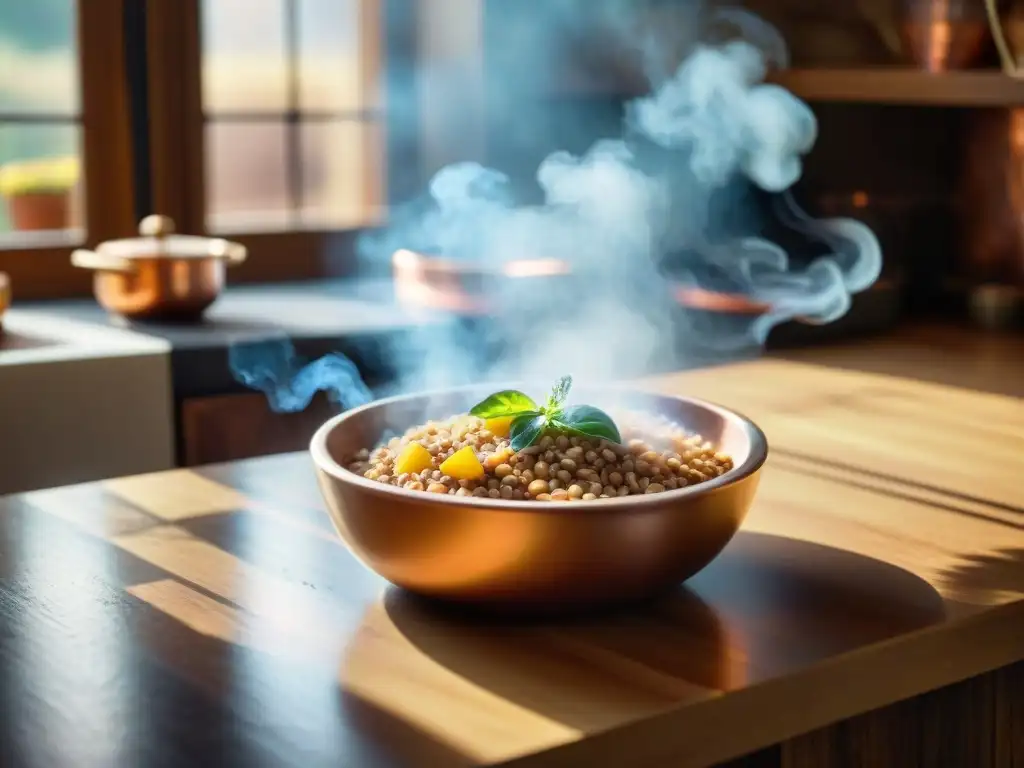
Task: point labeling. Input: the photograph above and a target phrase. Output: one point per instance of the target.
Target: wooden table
(871, 613)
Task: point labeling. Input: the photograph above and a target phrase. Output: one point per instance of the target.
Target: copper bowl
(534, 555)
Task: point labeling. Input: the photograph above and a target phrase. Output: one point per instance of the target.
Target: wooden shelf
(980, 88)
(976, 88)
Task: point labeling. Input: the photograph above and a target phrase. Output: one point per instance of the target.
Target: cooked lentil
(656, 456)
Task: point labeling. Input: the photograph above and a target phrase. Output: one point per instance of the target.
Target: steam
(289, 383)
(635, 218)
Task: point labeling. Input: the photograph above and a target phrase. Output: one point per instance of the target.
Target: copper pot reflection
(993, 216)
(160, 274)
(943, 35)
(993, 197)
(437, 283)
(693, 297)
(434, 282)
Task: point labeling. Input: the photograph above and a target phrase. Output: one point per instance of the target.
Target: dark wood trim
(137, 76)
(176, 112)
(46, 272)
(283, 256)
(241, 426)
(177, 152)
(43, 273)
(978, 722)
(372, 50)
(179, 162)
(107, 162)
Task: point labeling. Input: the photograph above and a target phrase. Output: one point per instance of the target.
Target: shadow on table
(987, 579)
(767, 605)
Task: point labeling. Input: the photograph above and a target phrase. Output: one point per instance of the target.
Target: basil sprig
(530, 421)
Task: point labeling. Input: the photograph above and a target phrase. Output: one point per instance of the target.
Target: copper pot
(160, 274)
(1007, 25)
(943, 35)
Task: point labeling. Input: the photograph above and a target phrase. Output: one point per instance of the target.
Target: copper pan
(437, 282)
(160, 274)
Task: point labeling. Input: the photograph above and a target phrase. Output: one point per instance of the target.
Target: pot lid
(157, 239)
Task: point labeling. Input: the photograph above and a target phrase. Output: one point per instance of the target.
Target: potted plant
(38, 192)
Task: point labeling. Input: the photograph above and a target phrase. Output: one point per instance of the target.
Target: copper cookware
(535, 556)
(160, 274)
(435, 282)
(992, 201)
(1007, 25)
(944, 35)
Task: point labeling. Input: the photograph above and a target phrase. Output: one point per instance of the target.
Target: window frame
(177, 138)
(41, 267)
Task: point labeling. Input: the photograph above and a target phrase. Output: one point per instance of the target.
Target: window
(282, 142)
(292, 125)
(259, 120)
(64, 167)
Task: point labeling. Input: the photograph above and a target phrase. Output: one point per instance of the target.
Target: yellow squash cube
(413, 459)
(500, 426)
(463, 465)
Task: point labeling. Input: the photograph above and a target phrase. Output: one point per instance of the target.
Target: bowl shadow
(790, 603)
(768, 605)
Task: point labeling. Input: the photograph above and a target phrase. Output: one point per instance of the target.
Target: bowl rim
(751, 465)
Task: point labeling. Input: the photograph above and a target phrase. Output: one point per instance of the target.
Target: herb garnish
(530, 421)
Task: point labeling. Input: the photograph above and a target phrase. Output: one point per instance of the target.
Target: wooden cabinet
(241, 426)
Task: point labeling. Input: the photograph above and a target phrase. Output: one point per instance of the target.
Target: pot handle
(85, 259)
(233, 253)
(1006, 57)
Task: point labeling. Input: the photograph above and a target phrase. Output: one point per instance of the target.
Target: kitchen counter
(361, 317)
(350, 316)
(870, 613)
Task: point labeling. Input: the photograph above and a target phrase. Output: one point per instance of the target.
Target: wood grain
(892, 85)
(875, 593)
(977, 722)
(242, 426)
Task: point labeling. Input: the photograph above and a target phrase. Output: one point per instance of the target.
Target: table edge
(919, 662)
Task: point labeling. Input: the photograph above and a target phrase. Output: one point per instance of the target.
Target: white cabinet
(80, 402)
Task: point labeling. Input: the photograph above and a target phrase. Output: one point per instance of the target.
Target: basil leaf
(588, 421)
(525, 430)
(558, 394)
(506, 403)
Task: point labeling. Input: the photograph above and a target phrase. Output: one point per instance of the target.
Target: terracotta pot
(39, 210)
(5, 298)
